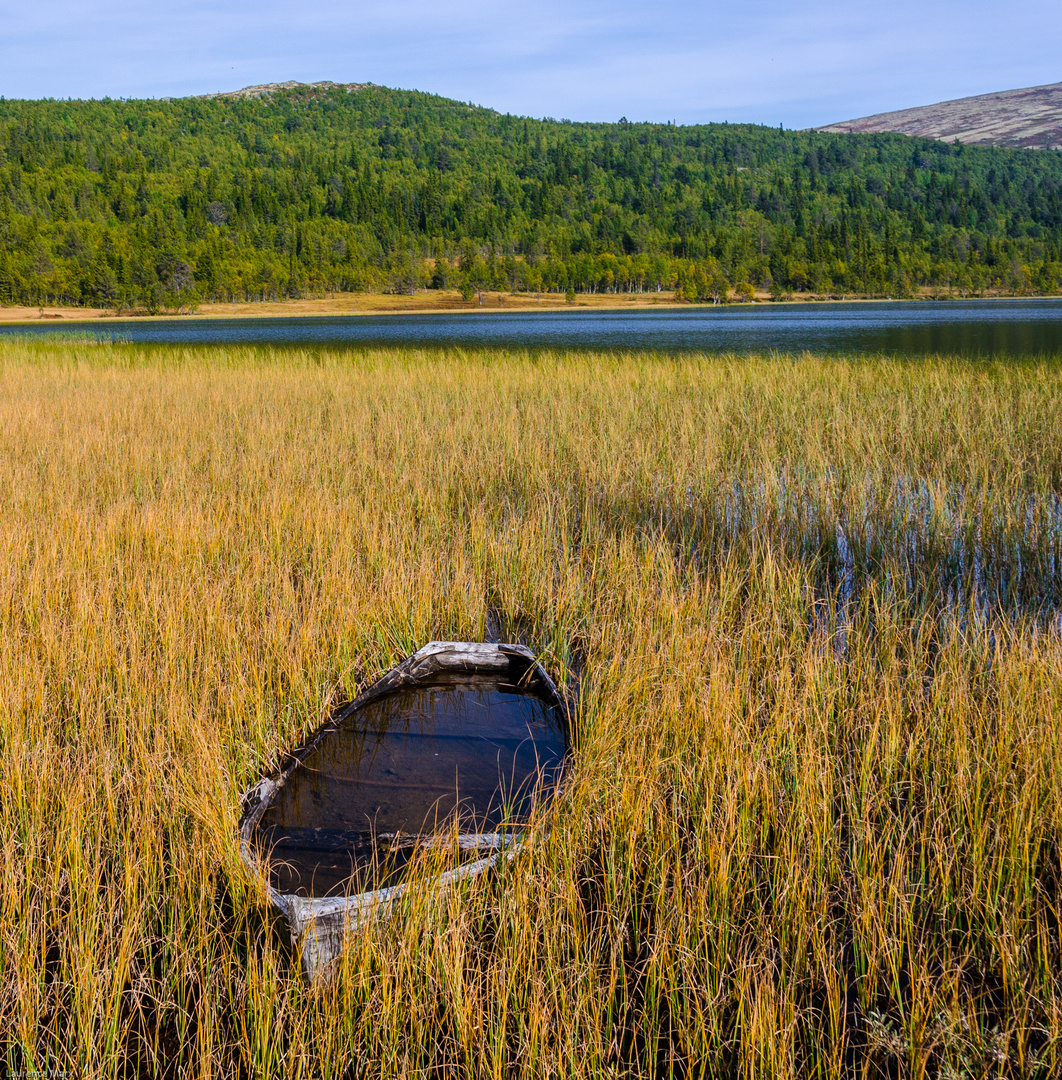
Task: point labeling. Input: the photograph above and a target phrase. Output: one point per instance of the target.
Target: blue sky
(757, 60)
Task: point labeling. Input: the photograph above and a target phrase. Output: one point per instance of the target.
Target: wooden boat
(452, 747)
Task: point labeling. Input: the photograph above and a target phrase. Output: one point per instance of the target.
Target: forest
(162, 204)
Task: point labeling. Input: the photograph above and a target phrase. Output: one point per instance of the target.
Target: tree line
(159, 204)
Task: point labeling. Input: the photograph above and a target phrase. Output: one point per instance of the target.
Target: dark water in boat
(409, 763)
(1017, 328)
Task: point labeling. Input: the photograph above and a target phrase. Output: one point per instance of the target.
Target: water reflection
(969, 556)
(415, 762)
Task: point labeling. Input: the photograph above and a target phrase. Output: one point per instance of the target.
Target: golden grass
(812, 824)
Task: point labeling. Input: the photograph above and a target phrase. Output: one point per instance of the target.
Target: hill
(288, 190)
(1028, 119)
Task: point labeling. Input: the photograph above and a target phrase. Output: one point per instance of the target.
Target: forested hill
(306, 189)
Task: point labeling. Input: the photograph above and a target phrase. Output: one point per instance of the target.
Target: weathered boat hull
(319, 926)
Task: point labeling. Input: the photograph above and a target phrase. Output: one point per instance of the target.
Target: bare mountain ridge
(1028, 119)
(267, 89)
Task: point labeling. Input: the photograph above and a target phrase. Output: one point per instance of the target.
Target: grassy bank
(809, 609)
(450, 300)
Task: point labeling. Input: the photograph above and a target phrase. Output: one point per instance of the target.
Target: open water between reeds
(1014, 328)
(965, 558)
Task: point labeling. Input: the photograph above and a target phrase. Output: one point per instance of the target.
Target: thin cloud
(684, 61)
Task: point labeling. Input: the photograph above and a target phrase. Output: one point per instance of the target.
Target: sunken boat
(452, 749)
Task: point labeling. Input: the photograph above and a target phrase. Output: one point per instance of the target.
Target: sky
(760, 61)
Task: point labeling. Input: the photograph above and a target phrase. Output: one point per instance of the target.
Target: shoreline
(446, 303)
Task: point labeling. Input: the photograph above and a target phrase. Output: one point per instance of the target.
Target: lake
(1018, 328)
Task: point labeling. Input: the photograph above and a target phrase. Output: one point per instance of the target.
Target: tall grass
(807, 610)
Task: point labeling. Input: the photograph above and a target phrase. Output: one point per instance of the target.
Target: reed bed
(807, 611)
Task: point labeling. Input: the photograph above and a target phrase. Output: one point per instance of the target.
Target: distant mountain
(1023, 119)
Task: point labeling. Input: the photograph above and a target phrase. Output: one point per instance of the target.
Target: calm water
(408, 763)
(965, 328)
